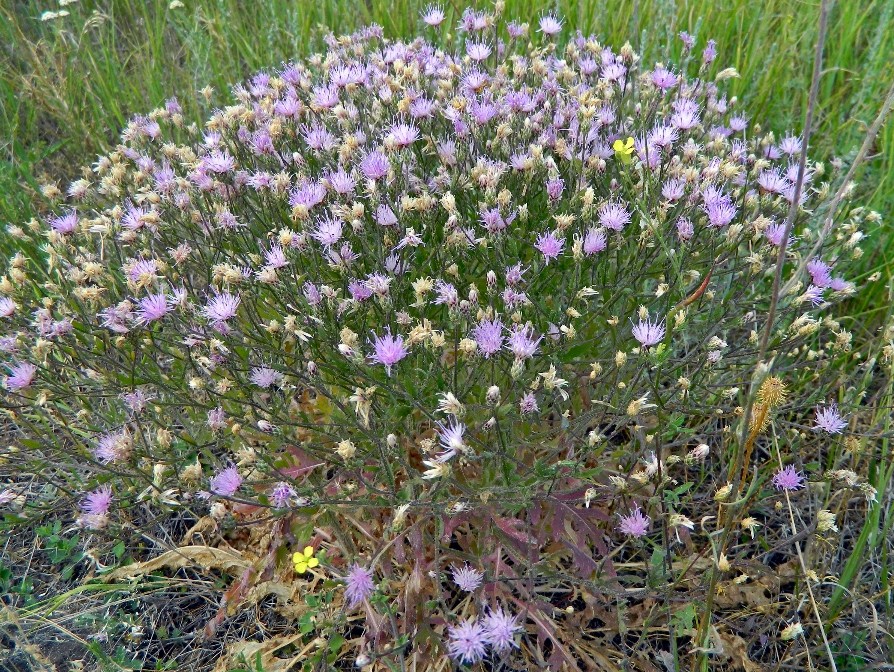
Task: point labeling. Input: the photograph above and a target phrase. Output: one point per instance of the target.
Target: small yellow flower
(304, 560)
(623, 150)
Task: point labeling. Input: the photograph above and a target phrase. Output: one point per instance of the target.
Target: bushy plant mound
(465, 343)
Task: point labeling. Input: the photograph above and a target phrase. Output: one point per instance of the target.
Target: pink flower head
(828, 419)
(359, 585)
(500, 629)
(152, 307)
(97, 503)
(282, 494)
(613, 216)
(594, 241)
(550, 24)
(433, 16)
(221, 307)
(7, 306)
(388, 350)
(65, 224)
(20, 377)
(550, 245)
(528, 404)
(467, 578)
(648, 333)
(788, 479)
(451, 439)
(663, 78)
(522, 343)
(467, 641)
(375, 165)
(265, 377)
(488, 334)
(226, 482)
(403, 135)
(634, 524)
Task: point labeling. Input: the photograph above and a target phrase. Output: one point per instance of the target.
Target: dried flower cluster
(494, 301)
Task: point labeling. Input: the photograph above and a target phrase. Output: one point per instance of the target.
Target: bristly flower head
(550, 245)
(649, 333)
(388, 350)
(226, 482)
(359, 585)
(500, 629)
(20, 376)
(433, 16)
(634, 524)
(467, 641)
(788, 479)
(467, 578)
(829, 419)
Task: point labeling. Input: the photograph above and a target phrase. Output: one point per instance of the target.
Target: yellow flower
(304, 560)
(623, 150)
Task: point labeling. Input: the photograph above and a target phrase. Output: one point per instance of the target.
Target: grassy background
(67, 85)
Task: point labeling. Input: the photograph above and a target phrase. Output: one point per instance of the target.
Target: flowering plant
(489, 312)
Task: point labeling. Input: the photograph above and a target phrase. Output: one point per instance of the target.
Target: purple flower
(112, 447)
(328, 231)
(226, 482)
(403, 135)
(771, 181)
(550, 24)
(375, 165)
(219, 162)
(467, 578)
(710, 52)
(788, 479)
(828, 419)
(20, 377)
(549, 245)
(265, 377)
(685, 228)
(634, 524)
(528, 404)
(663, 78)
(820, 272)
(388, 350)
(720, 213)
(65, 224)
(673, 189)
(282, 494)
(451, 439)
(221, 308)
(500, 629)
(359, 585)
(341, 182)
(97, 503)
(613, 216)
(275, 257)
(790, 145)
(554, 188)
(774, 234)
(648, 333)
(594, 241)
(447, 294)
(385, 216)
(488, 334)
(152, 308)
(522, 342)
(433, 16)
(7, 306)
(478, 51)
(467, 641)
